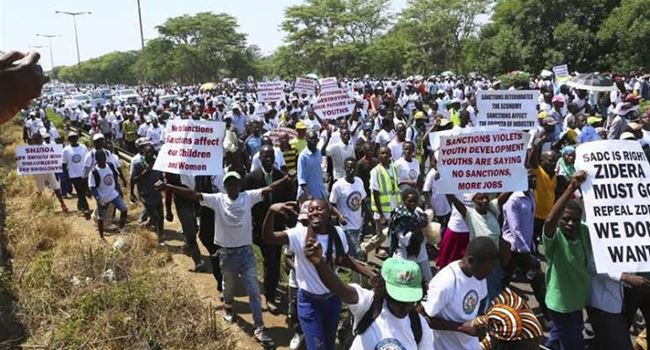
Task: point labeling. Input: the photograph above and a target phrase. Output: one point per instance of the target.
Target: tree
(627, 32)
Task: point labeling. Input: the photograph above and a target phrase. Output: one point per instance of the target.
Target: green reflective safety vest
(388, 189)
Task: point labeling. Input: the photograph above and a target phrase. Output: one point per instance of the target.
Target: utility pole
(49, 38)
(74, 20)
(144, 62)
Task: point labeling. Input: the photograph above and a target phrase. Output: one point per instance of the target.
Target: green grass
(55, 118)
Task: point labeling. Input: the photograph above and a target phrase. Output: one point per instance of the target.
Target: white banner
(483, 162)
(327, 84)
(39, 159)
(516, 109)
(192, 147)
(305, 86)
(617, 204)
(271, 91)
(334, 103)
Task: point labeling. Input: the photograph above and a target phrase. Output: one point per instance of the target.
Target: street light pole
(144, 65)
(74, 20)
(49, 37)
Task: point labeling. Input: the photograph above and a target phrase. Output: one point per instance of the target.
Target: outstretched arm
(180, 191)
(462, 209)
(269, 236)
(551, 223)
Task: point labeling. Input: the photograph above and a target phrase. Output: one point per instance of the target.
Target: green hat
(403, 279)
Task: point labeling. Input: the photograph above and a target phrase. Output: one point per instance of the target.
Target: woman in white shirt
(319, 309)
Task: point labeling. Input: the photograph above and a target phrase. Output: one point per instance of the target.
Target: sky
(113, 24)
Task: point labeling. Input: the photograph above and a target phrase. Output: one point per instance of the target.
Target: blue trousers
(237, 262)
(319, 317)
(566, 333)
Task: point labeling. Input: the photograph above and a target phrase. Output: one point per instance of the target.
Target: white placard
(327, 84)
(305, 86)
(561, 73)
(334, 103)
(270, 91)
(192, 147)
(617, 204)
(483, 162)
(511, 109)
(39, 159)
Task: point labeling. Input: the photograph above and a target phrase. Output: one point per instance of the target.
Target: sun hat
(403, 279)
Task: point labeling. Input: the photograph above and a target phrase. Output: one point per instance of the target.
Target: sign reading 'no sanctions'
(192, 148)
(270, 91)
(334, 103)
(515, 109)
(39, 159)
(617, 204)
(483, 162)
(305, 86)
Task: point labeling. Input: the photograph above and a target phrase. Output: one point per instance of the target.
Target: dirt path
(204, 283)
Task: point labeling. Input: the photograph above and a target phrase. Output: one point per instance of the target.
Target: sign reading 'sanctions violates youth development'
(192, 148)
(617, 204)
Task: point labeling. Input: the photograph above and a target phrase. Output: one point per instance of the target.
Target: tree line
(358, 37)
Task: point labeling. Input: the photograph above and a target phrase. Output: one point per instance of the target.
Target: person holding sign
(566, 247)
(233, 233)
(47, 180)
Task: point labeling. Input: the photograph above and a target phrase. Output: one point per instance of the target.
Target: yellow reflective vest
(388, 188)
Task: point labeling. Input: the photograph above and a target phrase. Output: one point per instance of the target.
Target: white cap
(98, 136)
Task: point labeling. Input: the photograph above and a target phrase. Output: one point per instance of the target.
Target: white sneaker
(263, 338)
(295, 342)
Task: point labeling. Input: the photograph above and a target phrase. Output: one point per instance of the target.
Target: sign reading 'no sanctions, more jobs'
(483, 162)
(334, 103)
(516, 109)
(617, 204)
(270, 91)
(192, 148)
(39, 159)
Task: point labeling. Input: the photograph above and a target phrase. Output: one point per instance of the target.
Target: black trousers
(81, 187)
(272, 254)
(206, 236)
(611, 331)
(528, 264)
(636, 299)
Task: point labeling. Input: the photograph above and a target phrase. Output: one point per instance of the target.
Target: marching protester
(103, 184)
(73, 156)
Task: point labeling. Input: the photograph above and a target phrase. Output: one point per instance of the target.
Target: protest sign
(483, 162)
(271, 91)
(327, 84)
(516, 109)
(334, 103)
(39, 159)
(305, 86)
(275, 133)
(192, 147)
(617, 204)
(561, 73)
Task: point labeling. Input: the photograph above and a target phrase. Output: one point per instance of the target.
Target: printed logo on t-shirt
(76, 158)
(470, 301)
(389, 344)
(108, 180)
(354, 201)
(413, 174)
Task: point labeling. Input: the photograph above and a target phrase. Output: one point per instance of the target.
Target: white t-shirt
(454, 297)
(384, 137)
(142, 130)
(89, 159)
(407, 170)
(456, 221)
(484, 225)
(233, 226)
(306, 274)
(73, 157)
(106, 186)
(154, 135)
(339, 152)
(396, 149)
(439, 202)
(347, 198)
(405, 240)
(387, 331)
(278, 163)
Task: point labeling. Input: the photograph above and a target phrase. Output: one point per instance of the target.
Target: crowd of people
(351, 208)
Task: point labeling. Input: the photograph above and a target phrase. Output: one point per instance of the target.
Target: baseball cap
(558, 98)
(98, 136)
(301, 126)
(627, 136)
(634, 126)
(403, 279)
(549, 121)
(594, 120)
(72, 134)
(419, 115)
(231, 174)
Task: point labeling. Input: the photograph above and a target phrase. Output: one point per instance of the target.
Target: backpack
(115, 175)
(374, 311)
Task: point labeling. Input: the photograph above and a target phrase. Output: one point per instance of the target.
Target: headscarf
(564, 168)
